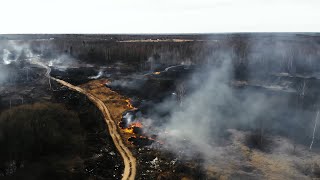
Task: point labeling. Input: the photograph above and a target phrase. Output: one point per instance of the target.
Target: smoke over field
(214, 104)
(238, 103)
(255, 97)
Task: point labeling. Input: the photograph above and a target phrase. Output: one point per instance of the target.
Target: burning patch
(129, 105)
(131, 124)
(129, 117)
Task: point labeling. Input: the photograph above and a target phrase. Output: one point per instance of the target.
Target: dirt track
(128, 159)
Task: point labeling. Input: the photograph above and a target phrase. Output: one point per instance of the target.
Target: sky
(158, 16)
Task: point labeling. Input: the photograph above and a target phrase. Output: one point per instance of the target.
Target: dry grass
(115, 102)
(273, 167)
(238, 160)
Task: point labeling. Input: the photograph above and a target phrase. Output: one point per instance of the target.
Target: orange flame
(136, 124)
(129, 105)
(129, 129)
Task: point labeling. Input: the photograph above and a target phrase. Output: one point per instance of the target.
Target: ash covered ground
(241, 106)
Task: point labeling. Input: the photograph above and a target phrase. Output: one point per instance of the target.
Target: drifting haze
(213, 105)
(15, 54)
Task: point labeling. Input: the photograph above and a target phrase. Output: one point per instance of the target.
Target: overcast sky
(158, 16)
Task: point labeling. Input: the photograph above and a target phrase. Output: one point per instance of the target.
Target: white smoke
(18, 52)
(5, 57)
(100, 74)
(62, 62)
(213, 106)
(131, 84)
(193, 123)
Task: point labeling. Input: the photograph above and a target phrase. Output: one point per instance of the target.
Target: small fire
(138, 138)
(136, 124)
(156, 73)
(129, 105)
(134, 129)
(130, 129)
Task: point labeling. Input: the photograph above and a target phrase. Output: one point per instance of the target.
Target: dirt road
(128, 159)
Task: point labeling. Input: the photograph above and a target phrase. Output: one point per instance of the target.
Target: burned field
(85, 150)
(241, 106)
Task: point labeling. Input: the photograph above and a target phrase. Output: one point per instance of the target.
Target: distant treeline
(251, 54)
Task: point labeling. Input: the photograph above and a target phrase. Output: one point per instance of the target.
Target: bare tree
(181, 92)
(314, 129)
(21, 99)
(27, 69)
(303, 88)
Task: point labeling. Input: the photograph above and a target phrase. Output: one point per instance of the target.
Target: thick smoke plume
(214, 104)
(208, 110)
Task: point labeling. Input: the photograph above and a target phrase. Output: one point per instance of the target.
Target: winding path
(128, 159)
